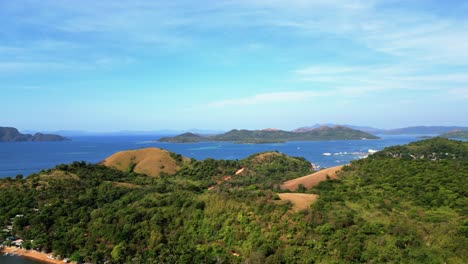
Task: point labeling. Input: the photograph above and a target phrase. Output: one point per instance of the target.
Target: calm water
(30, 157)
(17, 260)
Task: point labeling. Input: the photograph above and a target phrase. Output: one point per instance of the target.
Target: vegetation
(455, 134)
(11, 134)
(395, 206)
(149, 161)
(274, 136)
(185, 138)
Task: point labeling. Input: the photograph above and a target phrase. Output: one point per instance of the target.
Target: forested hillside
(274, 135)
(394, 206)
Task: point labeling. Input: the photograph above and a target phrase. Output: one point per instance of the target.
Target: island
(275, 136)
(404, 204)
(455, 134)
(11, 134)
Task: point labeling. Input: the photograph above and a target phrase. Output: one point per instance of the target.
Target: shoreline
(31, 254)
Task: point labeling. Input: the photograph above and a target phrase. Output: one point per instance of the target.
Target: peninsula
(11, 134)
(275, 136)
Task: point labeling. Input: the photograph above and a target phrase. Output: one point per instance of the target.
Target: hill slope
(393, 207)
(184, 138)
(313, 179)
(149, 161)
(455, 134)
(11, 134)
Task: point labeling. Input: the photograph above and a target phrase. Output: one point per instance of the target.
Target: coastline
(31, 254)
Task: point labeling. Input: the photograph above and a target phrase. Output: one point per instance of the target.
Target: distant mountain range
(367, 129)
(414, 130)
(78, 133)
(11, 134)
(436, 130)
(271, 135)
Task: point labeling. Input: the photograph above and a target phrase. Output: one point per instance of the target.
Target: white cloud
(266, 98)
(459, 93)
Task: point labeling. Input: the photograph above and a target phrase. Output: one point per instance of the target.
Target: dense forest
(405, 204)
(273, 135)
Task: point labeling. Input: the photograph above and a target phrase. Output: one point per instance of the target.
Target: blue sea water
(30, 157)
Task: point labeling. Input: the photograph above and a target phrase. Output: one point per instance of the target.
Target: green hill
(393, 207)
(274, 136)
(11, 134)
(455, 134)
(184, 138)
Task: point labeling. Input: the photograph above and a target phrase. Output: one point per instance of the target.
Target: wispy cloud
(16, 66)
(395, 77)
(267, 98)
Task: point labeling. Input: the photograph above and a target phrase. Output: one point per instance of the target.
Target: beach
(32, 254)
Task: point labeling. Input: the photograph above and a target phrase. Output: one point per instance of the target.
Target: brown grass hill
(313, 179)
(149, 161)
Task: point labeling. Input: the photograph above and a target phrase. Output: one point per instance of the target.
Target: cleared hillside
(149, 161)
(312, 180)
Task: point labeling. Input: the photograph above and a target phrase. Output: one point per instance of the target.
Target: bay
(26, 158)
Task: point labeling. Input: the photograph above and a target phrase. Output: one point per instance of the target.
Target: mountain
(149, 161)
(435, 130)
(11, 134)
(455, 134)
(416, 130)
(371, 130)
(274, 135)
(185, 138)
(404, 204)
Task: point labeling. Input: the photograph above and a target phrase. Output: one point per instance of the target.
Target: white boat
(326, 154)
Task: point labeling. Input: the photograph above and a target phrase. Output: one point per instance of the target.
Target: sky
(148, 65)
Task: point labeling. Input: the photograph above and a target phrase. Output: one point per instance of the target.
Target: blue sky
(148, 65)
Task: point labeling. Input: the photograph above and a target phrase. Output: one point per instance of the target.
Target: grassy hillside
(393, 207)
(149, 161)
(313, 179)
(273, 135)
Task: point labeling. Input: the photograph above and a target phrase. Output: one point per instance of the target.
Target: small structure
(18, 242)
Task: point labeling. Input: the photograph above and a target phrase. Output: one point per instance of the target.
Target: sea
(25, 158)
(17, 260)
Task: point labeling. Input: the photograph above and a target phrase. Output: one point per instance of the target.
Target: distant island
(413, 130)
(271, 135)
(456, 134)
(11, 134)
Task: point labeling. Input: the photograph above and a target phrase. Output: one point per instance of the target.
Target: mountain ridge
(11, 134)
(274, 136)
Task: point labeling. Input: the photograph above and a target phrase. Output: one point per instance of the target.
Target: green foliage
(386, 208)
(268, 136)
